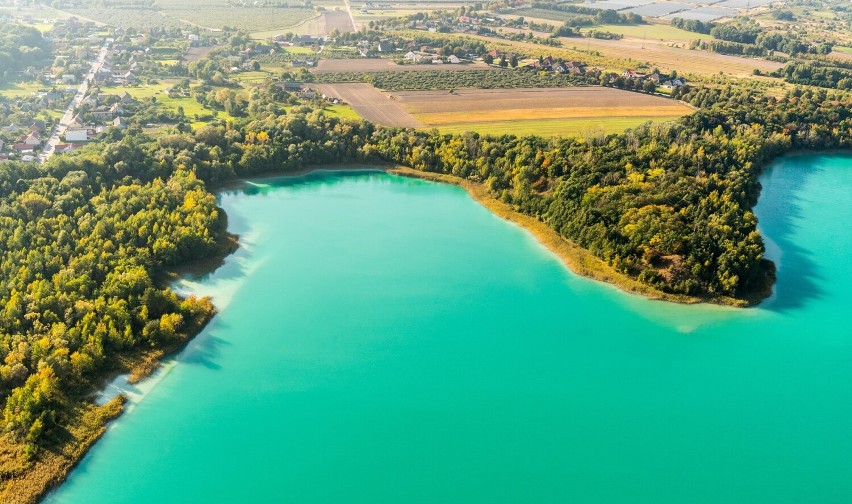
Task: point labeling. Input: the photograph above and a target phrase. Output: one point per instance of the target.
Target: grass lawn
(191, 107)
(554, 127)
(21, 89)
(56, 114)
(341, 111)
(651, 32)
(251, 77)
(298, 50)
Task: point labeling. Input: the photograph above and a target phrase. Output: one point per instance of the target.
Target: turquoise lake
(388, 340)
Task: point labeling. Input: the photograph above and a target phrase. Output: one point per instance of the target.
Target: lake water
(388, 340)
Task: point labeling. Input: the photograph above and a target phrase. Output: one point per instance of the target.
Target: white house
(77, 134)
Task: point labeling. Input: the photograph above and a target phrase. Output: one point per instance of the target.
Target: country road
(53, 141)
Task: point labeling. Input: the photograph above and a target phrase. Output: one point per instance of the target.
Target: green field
(20, 90)
(252, 77)
(191, 107)
(554, 127)
(655, 32)
(842, 49)
(342, 112)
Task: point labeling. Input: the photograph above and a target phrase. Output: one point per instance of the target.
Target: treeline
(742, 37)
(88, 235)
(437, 79)
(600, 16)
(20, 47)
(693, 25)
(827, 74)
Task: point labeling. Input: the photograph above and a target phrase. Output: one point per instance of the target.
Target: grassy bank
(576, 258)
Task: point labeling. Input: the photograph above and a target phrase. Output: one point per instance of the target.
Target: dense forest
(84, 243)
(20, 47)
(87, 236)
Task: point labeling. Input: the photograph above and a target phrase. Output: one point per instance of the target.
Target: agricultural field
(342, 112)
(635, 53)
(537, 111)
(658, 32)
(320, 23)
(553, 17)
(673, 56)
(387, 65)
(533, 111)
(215, 14)
(370, 103)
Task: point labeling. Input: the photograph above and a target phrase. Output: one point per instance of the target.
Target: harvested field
(371, 104)
(537, 111)
(674, 58)
(387, 65)
(336, 20)
(197, 53)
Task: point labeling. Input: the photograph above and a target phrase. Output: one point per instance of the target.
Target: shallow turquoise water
(383, 339)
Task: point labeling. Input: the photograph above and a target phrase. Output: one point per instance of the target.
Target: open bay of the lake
(387, 340)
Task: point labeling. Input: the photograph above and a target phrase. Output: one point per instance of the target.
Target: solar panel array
(704, 14)
(660, 9)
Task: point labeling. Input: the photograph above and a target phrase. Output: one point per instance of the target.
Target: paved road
(50, 147)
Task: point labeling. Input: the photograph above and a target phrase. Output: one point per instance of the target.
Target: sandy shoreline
(574, 257)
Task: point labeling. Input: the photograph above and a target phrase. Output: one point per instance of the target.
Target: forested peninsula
(89, 238)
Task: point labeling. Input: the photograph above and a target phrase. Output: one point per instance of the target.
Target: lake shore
(574, 257)
(88, 422)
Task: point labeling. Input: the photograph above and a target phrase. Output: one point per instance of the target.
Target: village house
(32, 139)
(77, 134)
(65, 148)
(413, 57)
(77, 122)
(102, 113)
(673, 84)
(631, 74)
(23, 148)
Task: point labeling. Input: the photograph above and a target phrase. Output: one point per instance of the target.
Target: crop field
(669, 57)
(316, 24)
(215, 14)
(651, 31)
(197, 53)
(370, 103)
(537, 111)
(548, 15)
(617, 55)
(387, 65)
